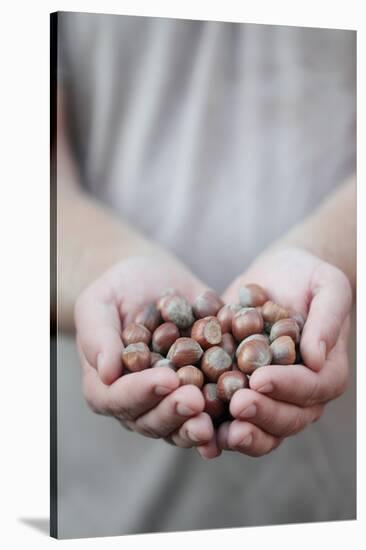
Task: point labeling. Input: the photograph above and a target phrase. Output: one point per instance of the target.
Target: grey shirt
(213, 139)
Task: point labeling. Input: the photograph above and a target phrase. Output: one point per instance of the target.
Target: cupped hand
(283, 400)
(148, 402)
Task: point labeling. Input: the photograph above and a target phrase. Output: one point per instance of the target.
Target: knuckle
(296, 424)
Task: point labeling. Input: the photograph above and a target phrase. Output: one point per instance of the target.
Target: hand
(283, 400)
(149, 402)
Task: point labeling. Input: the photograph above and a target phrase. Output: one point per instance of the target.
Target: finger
(210, 450)
(250, 440)
(172, 412)
(272, 416)
(194, 432)
(330, 305)
(132, 394)
(222, 436)
(301, 386)
(99, 333)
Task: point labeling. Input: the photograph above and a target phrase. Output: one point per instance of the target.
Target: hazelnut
(229, 383)
(213, 404)
(283, 351)
(207, 332)
(165, 294)
(245, 322)
(177, 310)
(155, 357)
(214, 362)
(300, 319)
(135, 333)
(285, 327)
(185, 351)
(190, 375)
(228, 344)
(164, 363)
(136, 356)
(272, 312)
(252, 355)
(259, 337)
(252, 295)
(207, 304)
(149, 316)
(164, 337)
(225, 316)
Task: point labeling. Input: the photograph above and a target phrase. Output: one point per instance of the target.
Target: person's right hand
(149, 402)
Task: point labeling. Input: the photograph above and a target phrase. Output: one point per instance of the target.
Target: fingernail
(194, 437)
(267, 388)
(247, 441)
(323, 350)
(249, 412)
(162, 390)
(183, 410)
(99, 361)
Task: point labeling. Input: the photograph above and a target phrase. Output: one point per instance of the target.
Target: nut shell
(283, 351)
(185, 351)
(190, 375)
(164, 337)
(149, 316)
(246, 321)
(258, 337)
(213, 404)
(252, 355)
(225, 316)
(177, 310)
(272, 312)
(135, 333)
(136, 357)
(155, 357)
(228, 344)
(229, 383)
(285, 327)
(164, 363)
(207, 304)
(207, 332)
(214, 362)
(252, 295)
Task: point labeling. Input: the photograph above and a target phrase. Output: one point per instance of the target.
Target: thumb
(99, 335)
(330, 305)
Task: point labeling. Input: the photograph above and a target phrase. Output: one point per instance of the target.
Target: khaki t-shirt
(213, 139)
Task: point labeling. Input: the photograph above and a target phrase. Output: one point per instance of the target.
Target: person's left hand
(283, 400)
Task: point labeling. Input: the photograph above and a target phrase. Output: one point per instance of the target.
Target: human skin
(107, 270)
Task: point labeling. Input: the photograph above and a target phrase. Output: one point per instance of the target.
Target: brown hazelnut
(135, 333)
(164, 337)
(207, 304)
(225, 316)
(155, 357)
(164, 363)
(207, 332)
(213, 404)
(190, 375)
(136, 356)
(177, 310)
(166, 293)
(299, 318)
(252, 295)
(272, 312)
(185, 351)
(245, 322)
(229, 383)
(285, 327)
(214, 362)
(259, 337)
(283, 351)
(149, 316)
(252, 355)
(228, 344)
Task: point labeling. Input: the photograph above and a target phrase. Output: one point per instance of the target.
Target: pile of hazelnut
(212, 345)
